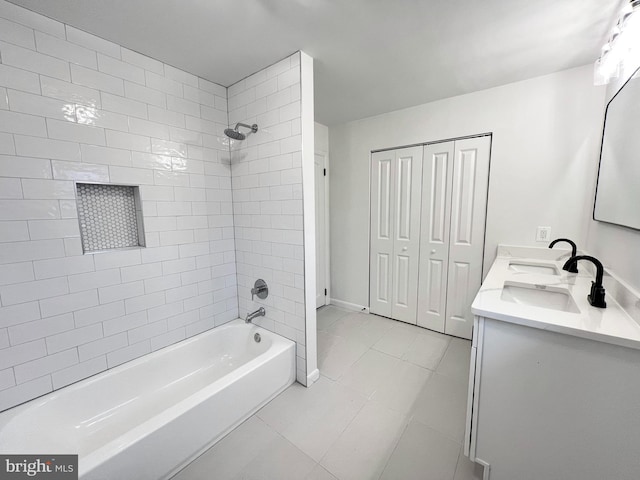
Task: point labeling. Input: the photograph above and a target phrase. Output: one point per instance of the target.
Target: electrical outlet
(543, 234)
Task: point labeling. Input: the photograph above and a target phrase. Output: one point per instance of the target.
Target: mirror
(618, 188)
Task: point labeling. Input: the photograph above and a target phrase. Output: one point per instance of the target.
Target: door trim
(327, 237)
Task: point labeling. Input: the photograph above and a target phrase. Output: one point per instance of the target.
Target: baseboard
(348, 305)
(313, 377)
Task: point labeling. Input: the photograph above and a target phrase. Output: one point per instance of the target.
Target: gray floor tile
(468, 470)
(455, 361)
(422, 454)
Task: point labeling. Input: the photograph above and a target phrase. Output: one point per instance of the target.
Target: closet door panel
(382, 236)
(406, 245)
(468, 213)
(434, 238)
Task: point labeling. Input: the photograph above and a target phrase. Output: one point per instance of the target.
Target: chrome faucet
(573, 268)
(596, 296)
(258, 313)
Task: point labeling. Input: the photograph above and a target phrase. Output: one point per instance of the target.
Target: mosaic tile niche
(110, 217)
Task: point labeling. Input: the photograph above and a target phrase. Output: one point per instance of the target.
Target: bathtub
(148, 418)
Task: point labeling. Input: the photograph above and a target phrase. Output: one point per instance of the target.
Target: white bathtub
(147, 418)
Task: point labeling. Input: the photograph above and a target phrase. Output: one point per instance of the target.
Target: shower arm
(253, 128)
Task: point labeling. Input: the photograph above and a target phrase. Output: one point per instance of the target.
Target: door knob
(404, 249)
(433, 252)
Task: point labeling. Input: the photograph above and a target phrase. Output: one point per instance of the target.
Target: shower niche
(110, 217)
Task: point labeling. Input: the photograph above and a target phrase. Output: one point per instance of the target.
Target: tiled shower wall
(74, 107)
(267, 199)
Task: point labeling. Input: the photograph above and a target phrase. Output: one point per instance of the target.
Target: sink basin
(542, 296)
(539, 268)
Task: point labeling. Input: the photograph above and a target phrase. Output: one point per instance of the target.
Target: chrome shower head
(236, 135)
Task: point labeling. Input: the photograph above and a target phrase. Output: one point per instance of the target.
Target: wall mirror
(618, 189)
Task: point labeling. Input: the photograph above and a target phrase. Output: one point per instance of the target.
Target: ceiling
(370, 56)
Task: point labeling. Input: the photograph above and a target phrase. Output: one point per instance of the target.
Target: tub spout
(258, 313)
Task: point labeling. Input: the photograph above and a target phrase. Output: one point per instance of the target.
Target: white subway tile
(19, 79)
(101, 313)
(105, 155)
(124, 323)
(43, 366)
(123, 105)
(31, 19)
(159, 254)
(148, 128)
(120, 292)
(117, 259)
(212, 87)
(16, 314)
(101, 347)
(48, 189)
(33, 61)
(10, 188)
(180, 76)
(267, 87)
(288, 78)
(144, 94)
(72, 374)
(101, 81)
(29, 331)
(79, 171)
(14, 122)
(161, 177)
(178, 266)
(25, 391)
(163, 84)
(140, 272)
(128, 141)
(15, 273)
(101, 118)
(7, 379)
(68, 92)
(165, 147)
(199, 96)
(166, 117)
(72, 247)
(177, 104)
(91, 280)
(148, 63)
(147, 331)
(120, 69)
(279, 99)
(189, 194)
(22, 353)
(280, 67)
(64, 50)
(73, 338)
(162, 283)
(189, 137)
(144, 302)
(75, 132)
(25, 167)
(29, 210)
(167, 339)
(291, 144)
(7, 147)
(49, 229)
(176, 237)
(139, 176)
(68, 303)
(164, 193)
(127, 354)
(17, 34)
(151, 160)
(68, 209)
(181, 293)
(47, 148)
(87, 40)
(37, 105)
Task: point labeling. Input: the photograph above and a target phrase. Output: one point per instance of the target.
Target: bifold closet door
(395, 229)
(437, 177)
(466, 237)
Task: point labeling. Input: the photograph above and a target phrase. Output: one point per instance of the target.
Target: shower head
(236, 135)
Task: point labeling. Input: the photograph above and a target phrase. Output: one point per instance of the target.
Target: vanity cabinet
(546, 405)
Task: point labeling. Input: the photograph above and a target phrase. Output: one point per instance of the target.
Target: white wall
(617, 247)
(544, 156)
(268, 199)
(76, 107)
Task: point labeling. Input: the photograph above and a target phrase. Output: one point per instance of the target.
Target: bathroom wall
(76, 107)
(546, 134)
(267, 178)
(617, 247)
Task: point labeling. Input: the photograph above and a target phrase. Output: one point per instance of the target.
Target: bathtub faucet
(258, 313)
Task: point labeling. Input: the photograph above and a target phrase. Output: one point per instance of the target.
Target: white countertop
(611, 325)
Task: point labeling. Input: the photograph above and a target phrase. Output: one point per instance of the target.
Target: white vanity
(554, 390)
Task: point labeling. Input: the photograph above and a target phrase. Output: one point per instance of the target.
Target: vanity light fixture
(622, 50)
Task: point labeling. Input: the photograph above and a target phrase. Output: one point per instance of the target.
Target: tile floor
(390, 404)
